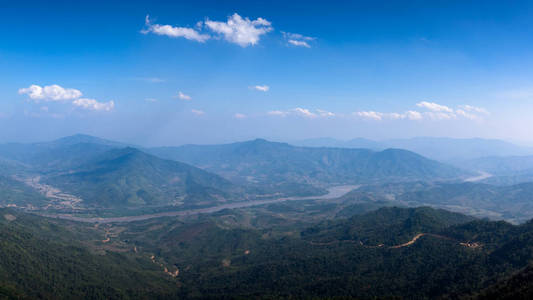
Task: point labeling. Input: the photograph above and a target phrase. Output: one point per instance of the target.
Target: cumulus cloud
(239, 116)
(174, 32)
(92, 104)
(372, 115)
(241, 31)
(436, 112)
(434, 107)
(262, 88)
(183, 96)
(57, 93)
(198, 112)
(52, 92)
(413, 115)
(299, 40)
(474, 109)
(325, 113)
(301, 112)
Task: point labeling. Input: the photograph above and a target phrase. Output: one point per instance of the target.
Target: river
(333, 192)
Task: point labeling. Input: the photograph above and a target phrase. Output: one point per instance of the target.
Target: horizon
(210, 73)
(290, 142)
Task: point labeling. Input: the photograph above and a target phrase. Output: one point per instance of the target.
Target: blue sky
(159, 73)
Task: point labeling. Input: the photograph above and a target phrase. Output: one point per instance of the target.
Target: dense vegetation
(231, 254)
(129, 177)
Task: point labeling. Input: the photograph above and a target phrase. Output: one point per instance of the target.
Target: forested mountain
(59, 154)
(45, 259)
(130, 177)
(513, 202)
(263, 162)
(391, 252)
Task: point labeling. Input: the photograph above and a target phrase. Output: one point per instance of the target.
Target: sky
(176, 72)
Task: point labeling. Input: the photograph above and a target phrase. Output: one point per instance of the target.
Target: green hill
(129, 177)
(44, 259)
(262, 162)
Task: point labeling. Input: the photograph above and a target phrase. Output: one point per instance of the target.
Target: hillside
(129, 177)
(13, 192)
(512, 202)
(60, 154)
(267, 163)
(391, 252)
(43, 259)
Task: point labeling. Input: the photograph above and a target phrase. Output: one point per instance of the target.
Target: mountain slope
(63, 153)
(451, 149)
(129, 177)
(512, 202)
(263, 162)
(44, 259)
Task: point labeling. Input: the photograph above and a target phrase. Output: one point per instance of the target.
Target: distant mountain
(442, 149)
(263, 162)
(330, 142)
(500, 165)
(59, 154)
(129, 177)
(451, 149)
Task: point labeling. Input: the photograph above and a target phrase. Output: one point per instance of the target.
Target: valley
(255, 217)
(333, 192)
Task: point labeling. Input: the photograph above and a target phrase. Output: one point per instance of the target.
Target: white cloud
(372, 115)
(303, 112)
(241, 31)
(239, 116)
(92, 104)
(278, 113)
(413, 115)
(474, 109)
(183, 96)
(434, 107)
(198, 112)
(50, 93)
(439, 116)
(325, 113)
(378, 116)
(150, 100)
(175, 32)
(299, 43)
(262, 88)
(296, 39)
(57, 93)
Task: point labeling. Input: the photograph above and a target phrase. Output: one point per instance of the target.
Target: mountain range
(104, 173)
(263, 162)
(413, 253)
(438, 148)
